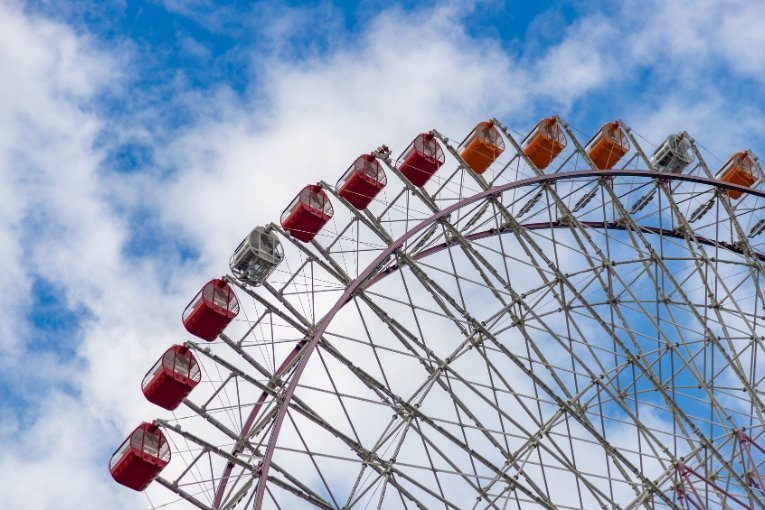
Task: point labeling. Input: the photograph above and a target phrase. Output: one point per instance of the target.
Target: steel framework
(577, 338)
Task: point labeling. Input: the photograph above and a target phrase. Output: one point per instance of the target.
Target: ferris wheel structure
(502, 322)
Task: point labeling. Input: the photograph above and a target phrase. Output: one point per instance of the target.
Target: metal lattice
(577, 338)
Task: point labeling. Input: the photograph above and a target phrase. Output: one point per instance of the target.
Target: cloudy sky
(140, 140)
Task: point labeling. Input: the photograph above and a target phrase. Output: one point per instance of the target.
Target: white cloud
(407, 75)
(56, 225)
(66, 218)
(45, 156)
(57, 462)
(695, 37)
(585, 60)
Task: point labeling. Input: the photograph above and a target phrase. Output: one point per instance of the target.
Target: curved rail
(611, 225)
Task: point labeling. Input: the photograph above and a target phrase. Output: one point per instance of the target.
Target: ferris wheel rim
(588, 271)
(611, 225)
(353, 286)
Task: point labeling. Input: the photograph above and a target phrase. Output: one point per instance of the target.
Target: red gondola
(307, 214)
(608, 146)
(213, 308)
(140, 458)
(482, 147)
(171, 378)
(743, 169)
(361, 183)
(422, 159)
(544, 143)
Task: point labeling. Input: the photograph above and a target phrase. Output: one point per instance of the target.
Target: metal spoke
(581, 338)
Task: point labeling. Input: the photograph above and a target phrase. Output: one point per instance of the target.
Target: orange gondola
(544, 143)
(608, 146)
(482, 147)
(743, 168)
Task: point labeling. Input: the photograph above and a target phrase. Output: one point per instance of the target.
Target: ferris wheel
(502, 322)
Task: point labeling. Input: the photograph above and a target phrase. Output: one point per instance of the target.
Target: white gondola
(257, 256)
(674, 154)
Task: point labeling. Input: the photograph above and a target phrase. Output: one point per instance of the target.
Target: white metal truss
(574, 338)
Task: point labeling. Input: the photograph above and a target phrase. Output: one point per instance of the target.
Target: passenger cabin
(172, 378)
(544, 143)
(743, 168)
(421, 159)
(361, 183)
(257, 256)
(608, 146)
(213, 308)
(140, 458)
(482, 147)
(673, 155)
(307, 214)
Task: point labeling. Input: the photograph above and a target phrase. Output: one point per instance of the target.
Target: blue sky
(140, 140)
